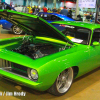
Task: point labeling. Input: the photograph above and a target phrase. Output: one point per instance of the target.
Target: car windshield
(77, 34)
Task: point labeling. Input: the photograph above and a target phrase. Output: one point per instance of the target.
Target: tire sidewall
(16, 33)
(53, 89)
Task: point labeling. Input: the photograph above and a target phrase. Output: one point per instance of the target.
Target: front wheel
(62, 83)
(16, 30)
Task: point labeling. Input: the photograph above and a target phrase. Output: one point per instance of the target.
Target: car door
(90, 55)
(96, 38)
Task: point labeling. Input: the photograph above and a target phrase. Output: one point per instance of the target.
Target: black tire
(68, 79)
(16, 30)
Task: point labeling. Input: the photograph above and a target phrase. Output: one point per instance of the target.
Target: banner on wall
(68, 4)
(87, 3)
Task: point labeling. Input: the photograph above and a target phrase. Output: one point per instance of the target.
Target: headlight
(32, 74)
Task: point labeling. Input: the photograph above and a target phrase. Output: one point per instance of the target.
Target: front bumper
(22, 80)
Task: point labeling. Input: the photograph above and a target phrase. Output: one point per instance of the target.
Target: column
(39, 2)
(27, 3)
(45, 4)
(2, 0)
(24, 3)
(77, 8)
(59, 2)
(31, 3)
(64, 2)
(54, 1)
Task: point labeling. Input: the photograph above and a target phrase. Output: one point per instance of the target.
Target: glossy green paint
(85, 57)
(49, 67)
(90, 26)
(95, 43)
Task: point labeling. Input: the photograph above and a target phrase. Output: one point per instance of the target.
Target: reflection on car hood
(33, 24)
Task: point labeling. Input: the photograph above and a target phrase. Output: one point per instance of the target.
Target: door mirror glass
(95, 43)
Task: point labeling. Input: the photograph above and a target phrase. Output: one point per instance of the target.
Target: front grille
(19, 67)
(13, 68)
(5, 63)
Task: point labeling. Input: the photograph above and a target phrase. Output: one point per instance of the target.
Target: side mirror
(95, 43)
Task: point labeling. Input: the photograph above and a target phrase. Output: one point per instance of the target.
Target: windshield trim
(89, 36)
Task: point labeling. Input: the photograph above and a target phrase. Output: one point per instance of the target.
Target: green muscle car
(48, 59)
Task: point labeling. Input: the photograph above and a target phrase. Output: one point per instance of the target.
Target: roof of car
(91, 26)
(51, 13)
(59, 15)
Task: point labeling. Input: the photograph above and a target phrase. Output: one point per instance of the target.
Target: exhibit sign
(68, 4)
(87, 3)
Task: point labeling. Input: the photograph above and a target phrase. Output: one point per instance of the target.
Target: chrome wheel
(64, 80)
(16, 30)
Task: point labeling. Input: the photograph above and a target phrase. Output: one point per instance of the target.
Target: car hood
(33, 24)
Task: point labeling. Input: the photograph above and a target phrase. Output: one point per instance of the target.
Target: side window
(41, 15)
(45, 16)
(48, 17)
(55, 18)
(96, 35)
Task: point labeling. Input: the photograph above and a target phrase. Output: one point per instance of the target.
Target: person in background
(64, 11)
(58, 11)
(49, 10)
(37, 9)
(15, 5)
(91, 15)
(79, 18)
(94, 15)
(26, 9)
(8, 7)
(29, 9)
(23, 9)
(44, 9)
(54, 10)
(69, 13)
(34, 9)
(2, 6)
(41, 10)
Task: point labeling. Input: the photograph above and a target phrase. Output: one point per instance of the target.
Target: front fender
(50, 70)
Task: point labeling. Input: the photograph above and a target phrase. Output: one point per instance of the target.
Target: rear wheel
(62, 83)
(16, 30)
